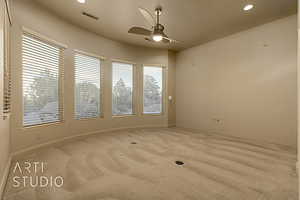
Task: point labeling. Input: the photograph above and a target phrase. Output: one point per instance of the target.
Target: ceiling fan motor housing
(158, 29)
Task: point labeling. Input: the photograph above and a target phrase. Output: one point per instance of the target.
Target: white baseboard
(21, 152)
(4, 177)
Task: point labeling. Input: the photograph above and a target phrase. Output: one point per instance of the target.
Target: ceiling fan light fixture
(157, 37)
(158, 33)
(81, 1)
(248, 7)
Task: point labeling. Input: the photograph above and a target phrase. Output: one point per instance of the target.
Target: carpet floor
(140, 164)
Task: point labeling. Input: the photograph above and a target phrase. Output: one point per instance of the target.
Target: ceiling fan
(156, 34)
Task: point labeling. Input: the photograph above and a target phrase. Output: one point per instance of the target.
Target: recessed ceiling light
(248, 7)
(81, 1)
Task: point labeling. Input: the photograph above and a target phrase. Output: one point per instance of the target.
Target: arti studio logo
(31, 174)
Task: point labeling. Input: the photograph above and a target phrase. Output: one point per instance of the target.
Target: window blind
(87, 86)
(122, 90)
(153, 90)
(42, 75)
(7, 73)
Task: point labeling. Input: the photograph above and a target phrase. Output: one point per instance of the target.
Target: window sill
(87, 119)
(43, 125)
(153, 114)
(123, 116)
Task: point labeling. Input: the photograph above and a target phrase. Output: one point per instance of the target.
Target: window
(7, 77)
(4, 61)
(122, 89)
(2, 54)
(87, 86)
(153, 90)
(42, 75)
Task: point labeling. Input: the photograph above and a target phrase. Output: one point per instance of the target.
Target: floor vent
(133, 143)
(179, 162)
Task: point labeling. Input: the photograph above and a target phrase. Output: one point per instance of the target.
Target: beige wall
(31, 16)
(4, 147)
(172, 88)
(4, 124)
(248, 81)
(298, 78)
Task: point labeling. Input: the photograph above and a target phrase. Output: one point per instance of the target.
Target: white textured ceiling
(192, 22)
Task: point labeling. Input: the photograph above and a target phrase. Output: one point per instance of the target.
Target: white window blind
(153, 90)
(42, 75)
(87, 86)
(2, 55)
(122, 90)
(7, 73)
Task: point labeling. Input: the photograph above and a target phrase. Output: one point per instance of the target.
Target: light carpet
(139, 164)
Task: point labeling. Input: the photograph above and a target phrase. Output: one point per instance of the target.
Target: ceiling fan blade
(149, 18)
(169, 40)
(164, 40)
(149, 40)
(140, 31)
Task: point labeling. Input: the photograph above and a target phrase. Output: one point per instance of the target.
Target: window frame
(62, 47)
(134, 89)
(102, 82)
(6, 65)
(163, 90)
